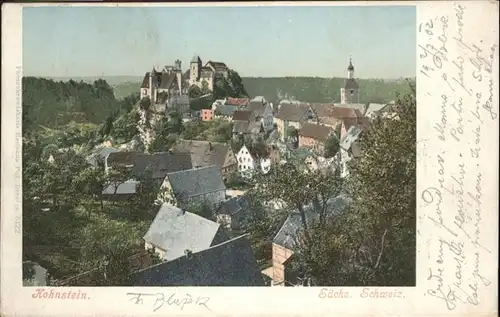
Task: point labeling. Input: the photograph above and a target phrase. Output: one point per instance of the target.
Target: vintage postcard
(250, 159)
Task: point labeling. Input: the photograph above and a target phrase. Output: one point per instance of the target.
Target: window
(352, 91)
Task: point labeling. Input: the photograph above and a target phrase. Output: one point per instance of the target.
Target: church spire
(350, 69)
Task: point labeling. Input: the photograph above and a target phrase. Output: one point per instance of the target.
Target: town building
(289, 115)
(314, 136)
(197, 185)
(289, 238)
(205, 153)
(231, 263)
(206, 114)
(174, 230)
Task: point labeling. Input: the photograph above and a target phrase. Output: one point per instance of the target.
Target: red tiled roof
(237, 101)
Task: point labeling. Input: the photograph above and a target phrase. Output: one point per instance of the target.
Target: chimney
(210, 146)
(188, 254)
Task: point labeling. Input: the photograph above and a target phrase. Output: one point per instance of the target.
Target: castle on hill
(172, 82)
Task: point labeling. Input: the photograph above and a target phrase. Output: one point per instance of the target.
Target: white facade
(246, 162)
(341, 159)
(265, 165)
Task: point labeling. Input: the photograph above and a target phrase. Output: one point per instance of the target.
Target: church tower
(350, 92)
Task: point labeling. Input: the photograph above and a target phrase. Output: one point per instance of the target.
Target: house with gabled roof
(197, 185)
(291, 115)
(287, 240)
(100, 155)
(248, 130)
(174, 230)
(160, 164)
(239, 102)
(314, 136)
(231, 263)
(206, 153)
(251, 161)
(225, 112)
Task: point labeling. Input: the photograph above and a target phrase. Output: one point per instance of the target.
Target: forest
(310, 89)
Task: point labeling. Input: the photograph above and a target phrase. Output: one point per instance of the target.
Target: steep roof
(359, 108)
(231, 263)
(363, 122)
(315, 131)
(127, 158)
(257, 107)
(226, 110)
(255, 127)
(197, 181)
(217, 65)
(174, 231)
(125, 188)
(350, 137)
(322, 109)
(99, 154)
(292, 112)
(342, 112)
(145, 80)
(167, 80)
(196, 59)
(240, 126)
(237, 101)
(204, 153)
(232, 206)
(242, 115)
(290, 231)
(162, 163)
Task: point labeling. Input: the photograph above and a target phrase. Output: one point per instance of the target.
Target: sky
(255, 41)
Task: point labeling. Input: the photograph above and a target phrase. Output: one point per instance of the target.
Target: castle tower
(195, 70)
(350, 92)
(152, 85)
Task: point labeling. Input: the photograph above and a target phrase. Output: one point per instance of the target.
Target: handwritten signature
(173, 300)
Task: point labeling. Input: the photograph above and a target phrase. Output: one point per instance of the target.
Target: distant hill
(311, 89)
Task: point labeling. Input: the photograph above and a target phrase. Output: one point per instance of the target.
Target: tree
(332, 146)
(204, 87)
(373, 244)
(125, 126)
(194, 91)
(145, 103)
(202, 209)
